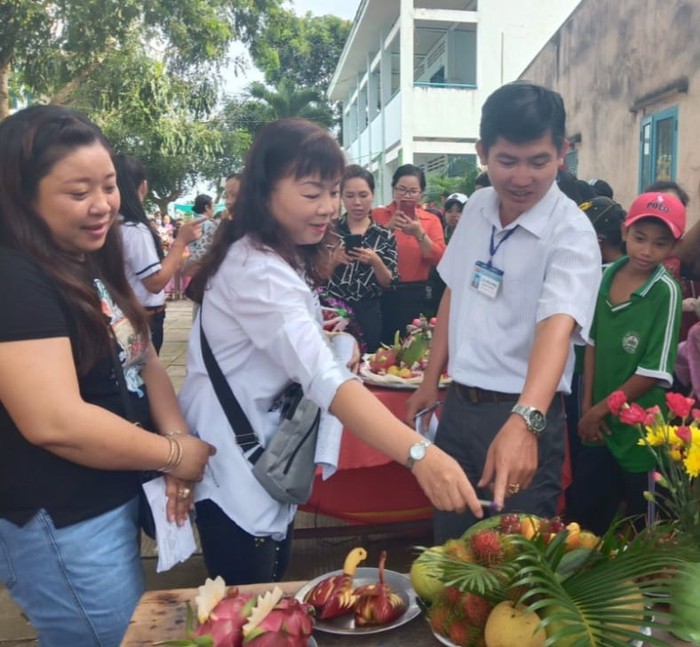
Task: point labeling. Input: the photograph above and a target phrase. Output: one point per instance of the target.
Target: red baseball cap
(664, 206)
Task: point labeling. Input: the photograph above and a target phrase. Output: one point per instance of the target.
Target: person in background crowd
(522, 272)
(634, 339)
(70, 461)
(453, 207)
(420, 243)
(262, 321)
(482, 181)
(607, 217)
(602, 188)
(684, 264)
(363, 270)
(148, 269)
(232, 188)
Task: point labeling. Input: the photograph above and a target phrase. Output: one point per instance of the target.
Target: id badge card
(486, 279)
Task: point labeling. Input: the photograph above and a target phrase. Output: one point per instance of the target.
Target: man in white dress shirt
(522, 273)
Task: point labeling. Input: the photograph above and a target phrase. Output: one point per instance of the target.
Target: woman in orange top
(420, 243)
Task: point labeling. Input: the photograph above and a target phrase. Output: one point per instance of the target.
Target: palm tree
(289, 100)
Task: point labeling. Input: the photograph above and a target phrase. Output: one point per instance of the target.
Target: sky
(343, 8)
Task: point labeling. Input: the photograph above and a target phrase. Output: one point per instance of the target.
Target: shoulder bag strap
(245, 436)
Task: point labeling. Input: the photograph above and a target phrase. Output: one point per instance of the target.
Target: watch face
(537, 421)
(417, 452)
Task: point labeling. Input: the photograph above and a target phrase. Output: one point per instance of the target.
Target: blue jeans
(80, 584)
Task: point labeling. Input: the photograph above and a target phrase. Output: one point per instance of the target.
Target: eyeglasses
(404, 190)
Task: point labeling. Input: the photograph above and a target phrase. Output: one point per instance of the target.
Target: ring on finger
(183, 492)
(513, 488)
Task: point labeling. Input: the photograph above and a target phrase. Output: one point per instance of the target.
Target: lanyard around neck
(493, 246)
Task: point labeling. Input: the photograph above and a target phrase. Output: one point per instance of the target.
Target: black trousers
(368, 315)
(155, 323)
(401, 305)
(238, 557)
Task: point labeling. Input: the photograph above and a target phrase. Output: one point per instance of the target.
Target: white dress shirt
(264, 326)
(551, 265)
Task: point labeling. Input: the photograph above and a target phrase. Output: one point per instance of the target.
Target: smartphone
(352, 241)
(408, 207)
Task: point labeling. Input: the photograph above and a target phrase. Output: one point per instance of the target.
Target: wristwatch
(534, 418)
(416, 452)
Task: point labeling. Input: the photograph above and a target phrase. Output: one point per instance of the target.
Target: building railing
(428, 84)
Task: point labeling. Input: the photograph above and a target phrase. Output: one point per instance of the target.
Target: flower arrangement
(408, 355)
(675, 443)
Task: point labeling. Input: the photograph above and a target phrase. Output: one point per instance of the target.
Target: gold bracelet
(422, 237)
(178, 459)
(172, 451)
(177, 432)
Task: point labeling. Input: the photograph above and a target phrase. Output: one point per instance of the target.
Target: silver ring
(183, 492)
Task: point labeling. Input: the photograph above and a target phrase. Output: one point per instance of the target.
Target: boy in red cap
(633, 345)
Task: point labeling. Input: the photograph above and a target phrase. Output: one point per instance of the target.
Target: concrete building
(414, 75)
(629, 72)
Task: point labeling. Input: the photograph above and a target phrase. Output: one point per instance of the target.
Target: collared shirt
(637, 337)
(357, 281)
(264, 326)
(140, 261)
(413, 265)
(551, 264)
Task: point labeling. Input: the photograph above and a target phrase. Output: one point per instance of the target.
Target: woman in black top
(70, 460)
(364, 269)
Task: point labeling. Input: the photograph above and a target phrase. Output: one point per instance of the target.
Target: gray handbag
(286, 467)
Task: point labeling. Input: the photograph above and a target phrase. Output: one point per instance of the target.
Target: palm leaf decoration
(585, 597)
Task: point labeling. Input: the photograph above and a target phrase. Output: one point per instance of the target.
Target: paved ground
(312, 555)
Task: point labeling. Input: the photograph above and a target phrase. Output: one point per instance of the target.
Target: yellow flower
(692, 461)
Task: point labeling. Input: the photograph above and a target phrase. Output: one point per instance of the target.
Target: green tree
(440, 185)
(289, 100)
(303, 49)
(55, 45)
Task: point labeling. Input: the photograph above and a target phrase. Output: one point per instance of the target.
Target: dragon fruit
(225, 622)
(287, 624)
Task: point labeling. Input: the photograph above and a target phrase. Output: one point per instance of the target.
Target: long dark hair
(32, 141)
(288, 147)
(131, 174)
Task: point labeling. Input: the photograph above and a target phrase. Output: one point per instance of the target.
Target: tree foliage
(289, 100)
(305, 49)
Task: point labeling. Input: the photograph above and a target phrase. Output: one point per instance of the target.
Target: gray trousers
(465, 433)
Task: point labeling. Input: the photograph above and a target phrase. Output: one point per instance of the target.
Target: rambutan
(476, 608)
(458, 549)
(487, 548)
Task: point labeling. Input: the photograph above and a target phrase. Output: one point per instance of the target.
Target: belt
(154, 310)
(475, 395)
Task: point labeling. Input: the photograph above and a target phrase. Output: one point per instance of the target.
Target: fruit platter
(517, 580)
(401, 365)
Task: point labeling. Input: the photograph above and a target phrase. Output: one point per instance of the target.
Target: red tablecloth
(371, 488)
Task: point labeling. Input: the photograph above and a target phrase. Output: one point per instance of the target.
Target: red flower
(679, 405)
(653, 414)
(634, 415)
(615, 401)
(696, 414)
(684, 433)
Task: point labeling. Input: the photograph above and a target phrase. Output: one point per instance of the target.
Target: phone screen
(352, 241)
(408, 207)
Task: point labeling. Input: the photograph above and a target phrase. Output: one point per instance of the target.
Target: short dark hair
(356, 171)
(482, 180)
(664, 186)
(406, 170)
(521, 112)
(201, 202)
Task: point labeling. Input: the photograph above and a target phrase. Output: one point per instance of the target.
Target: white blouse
(264, 326)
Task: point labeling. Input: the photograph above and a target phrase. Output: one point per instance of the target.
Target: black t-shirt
(32, 478)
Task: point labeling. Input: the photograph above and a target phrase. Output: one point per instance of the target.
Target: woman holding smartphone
(365, 262)
(420, 243)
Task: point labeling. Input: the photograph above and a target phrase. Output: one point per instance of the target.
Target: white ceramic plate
(345, 624)
(312, 642)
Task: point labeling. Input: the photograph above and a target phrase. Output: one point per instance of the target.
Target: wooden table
(160, 615)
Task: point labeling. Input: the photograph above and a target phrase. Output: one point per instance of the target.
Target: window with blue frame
(658, 147)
